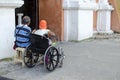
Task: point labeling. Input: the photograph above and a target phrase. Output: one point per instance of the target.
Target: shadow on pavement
(4, 78)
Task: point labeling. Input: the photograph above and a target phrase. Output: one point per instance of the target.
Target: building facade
(7, 26)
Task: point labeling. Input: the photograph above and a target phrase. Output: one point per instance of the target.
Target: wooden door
(51, 10)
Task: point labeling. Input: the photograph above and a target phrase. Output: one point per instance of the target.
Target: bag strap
(18, 31)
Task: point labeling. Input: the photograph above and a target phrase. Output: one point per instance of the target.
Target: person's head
(26, 20)
(43, 24)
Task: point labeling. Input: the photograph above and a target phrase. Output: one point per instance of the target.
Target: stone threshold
(106, 36)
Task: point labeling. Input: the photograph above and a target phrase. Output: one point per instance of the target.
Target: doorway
(30, 8)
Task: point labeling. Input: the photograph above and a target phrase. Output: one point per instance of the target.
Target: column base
(105, 32)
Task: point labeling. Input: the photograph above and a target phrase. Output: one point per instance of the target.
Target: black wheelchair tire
(52, 56)
(29, 58)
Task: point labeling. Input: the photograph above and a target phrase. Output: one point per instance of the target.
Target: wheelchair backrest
(38, 41)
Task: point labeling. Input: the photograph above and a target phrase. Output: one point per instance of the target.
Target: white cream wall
(6, 32)
(104, 17)
(78, 19)
(85, 24)
(7, 26)
(83, 0)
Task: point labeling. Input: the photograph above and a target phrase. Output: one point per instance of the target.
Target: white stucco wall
(7, 26)
(6, 32)
(80, 25)
(78, 19)
(73, 25)
(104, 17)
(85, 24)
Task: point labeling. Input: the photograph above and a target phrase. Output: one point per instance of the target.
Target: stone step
(106, 36)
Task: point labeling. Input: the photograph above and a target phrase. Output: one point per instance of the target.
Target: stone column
(104, 17)
(78, 19)
(103, 1)
(20, 17)
(7, 26)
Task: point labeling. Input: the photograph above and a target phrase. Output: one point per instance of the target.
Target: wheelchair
(40, 50)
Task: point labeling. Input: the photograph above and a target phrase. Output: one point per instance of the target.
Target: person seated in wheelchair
(43, 31)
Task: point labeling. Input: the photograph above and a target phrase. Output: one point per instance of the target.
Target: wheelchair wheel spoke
(30, 62)
(49, 66)
(25, 56)
(54, 55)
(52, 64)
(29, 58)
(54, 60)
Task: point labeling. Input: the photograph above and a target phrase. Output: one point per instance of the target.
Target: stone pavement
(97, 58)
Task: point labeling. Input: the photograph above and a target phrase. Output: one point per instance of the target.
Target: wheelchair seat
(39, 43)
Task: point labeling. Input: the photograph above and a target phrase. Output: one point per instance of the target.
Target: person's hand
(54, 38)
(34, 31)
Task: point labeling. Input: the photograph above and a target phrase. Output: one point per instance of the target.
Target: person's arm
(50, 33)
(52, 36)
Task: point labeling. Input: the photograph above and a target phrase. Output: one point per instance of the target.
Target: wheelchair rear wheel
(30, 59)
(51, 58)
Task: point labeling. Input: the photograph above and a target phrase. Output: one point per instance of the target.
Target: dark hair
(26, 20)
